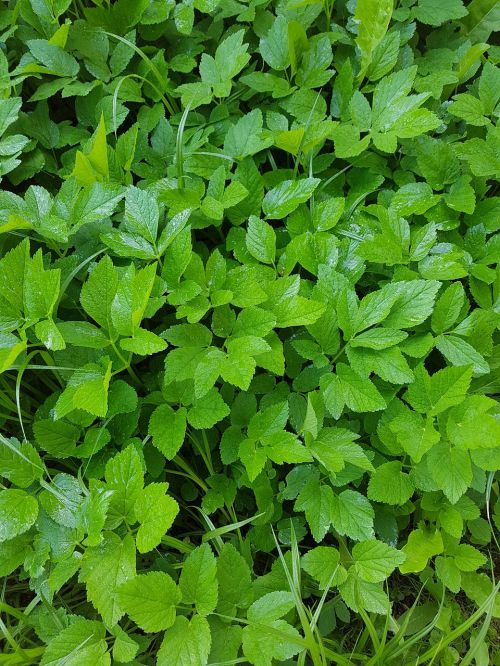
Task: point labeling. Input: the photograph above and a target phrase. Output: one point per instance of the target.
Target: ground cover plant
(249, 313)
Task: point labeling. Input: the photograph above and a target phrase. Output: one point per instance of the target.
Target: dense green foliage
(249, 315)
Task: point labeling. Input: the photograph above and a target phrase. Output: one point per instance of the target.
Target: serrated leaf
(286, 197)
(186, 642)
(18, 512)
(168, 429)
(374, 560)
(198, 580)
(150, 600)
(104, 568)
(155, 512)
(390, 485)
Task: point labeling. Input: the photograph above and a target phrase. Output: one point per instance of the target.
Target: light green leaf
(322, 563)
(274, 46)
(270, 607)
(286, 197)
(155, 512)
(208, 410)
(414, 304)
(82, 642)
(124, 476)
(99, 291)
(451, 469)
(436, 14)
(459, 352)
(422, 544)
(352, 515)
(150, 600)
(104, 568)
(246, 137)
(261, 240)
(198, 580)
(18, 512)
(168, 429)
(186, 643)
(316, 501)
(232, 566)
(374, 560)
(390, 485)
(372, 17)
(87, 389)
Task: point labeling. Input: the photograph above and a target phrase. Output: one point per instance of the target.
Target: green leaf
(378, 338)
(286, 197)
(414, 304)
(322, 563)
(230, 58)
(470, 109)
(198, 580)
(168, 429)
(246, 137)
(372, 18)
(415, 434)
(150, 600)
(358, 393)
(99, 291)
(18, 512)
(445, 388)
(467, 558)
(131, 299)
(208, 410)
(316, 501)
(274, 46)
(143, 343)
(448, 572)
(238, 369)
(261, 645)
(422, 544)
(87, 389)
(155, 512)
(374, 560)
(186, 642)
(261, 240)
(124, 476)
(232, 566)
(459, 352)
(268, 421)
(352, 515)
(390, 485)
(436, 14)
(451, 470)
(19, 463)
(448, 308)
(83, 641)
(482, 20)
(370, 596)
(104, 568)
(270, 607)
(53, 57)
